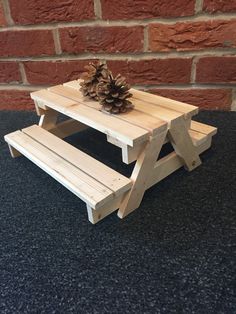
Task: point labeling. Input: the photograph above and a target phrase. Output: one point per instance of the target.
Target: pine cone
(113, 94)
(96, 71)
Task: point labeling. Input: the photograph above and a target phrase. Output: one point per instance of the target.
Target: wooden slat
(203, 128)
(178, 106)
(122, 130)
(140, 105)
(110, 178)
(175, 107)
(157, 111)
(83, 186)
(140, 175)
(51, 99)
(73, 84)
(186, 109)
(142, 118)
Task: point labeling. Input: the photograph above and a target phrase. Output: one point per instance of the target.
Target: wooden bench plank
(83, 186)
(122, 130)
(203, 128)
(92, 167)
(197, 138)
(141, 118)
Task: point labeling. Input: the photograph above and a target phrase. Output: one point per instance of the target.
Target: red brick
(9, 72)
(2, 16)
(15, 100)
(46, 11)
(216, 70)
(213, 6)
(142, 9)
(102, 39)
(192, 35)
(154, 71)
(48, 72)
(26, 43)
(212, 99)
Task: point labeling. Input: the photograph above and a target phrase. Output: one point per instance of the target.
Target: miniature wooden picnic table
(140, 134)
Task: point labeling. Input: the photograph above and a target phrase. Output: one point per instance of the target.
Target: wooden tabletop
(151, 114)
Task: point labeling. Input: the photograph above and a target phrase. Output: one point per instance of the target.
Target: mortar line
(204, 17)
(194, 69)
(23, 74)
(233, 105)
(57, 42)
(176, 86)
(198, 6)
(7, 13)
(145, 39)
(220, 52)
(97, 9)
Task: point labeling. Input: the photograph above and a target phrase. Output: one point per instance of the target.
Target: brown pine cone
(113, 94)
(95, 72)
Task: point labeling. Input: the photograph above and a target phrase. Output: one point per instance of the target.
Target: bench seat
(90, 180)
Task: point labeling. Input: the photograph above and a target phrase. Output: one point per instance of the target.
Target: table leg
(49, 119)
(183, 144)
(141, 174)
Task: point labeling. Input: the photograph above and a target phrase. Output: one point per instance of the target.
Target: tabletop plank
(169, 104)
(164, 110)
(122, 130)
(136, 117)
(186, 109)
(157, 111)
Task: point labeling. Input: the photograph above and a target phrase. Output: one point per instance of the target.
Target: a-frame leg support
(183, 144)
(141, 174)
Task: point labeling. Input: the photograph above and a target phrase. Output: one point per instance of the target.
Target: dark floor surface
(175, 254)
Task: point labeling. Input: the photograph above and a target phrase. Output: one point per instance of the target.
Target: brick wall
(182, 49)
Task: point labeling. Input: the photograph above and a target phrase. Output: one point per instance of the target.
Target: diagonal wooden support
(141, 174)
(183, 144)
(49, 119)
(48, 116)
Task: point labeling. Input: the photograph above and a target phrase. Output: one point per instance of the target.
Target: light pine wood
(67, 128)
(49, 119)
(45, 99)
(130, 154)
(165, 114)
(183, 145)
(197, 137)
(112, 179)
(108, 124)
(203, 128)
(95, 216)
(172, 162)
(83, 186)
(14, 153)
(186, 109)
(40, 108)
(73, 84)
(140, 175)
(140, 134)
(138, 118)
